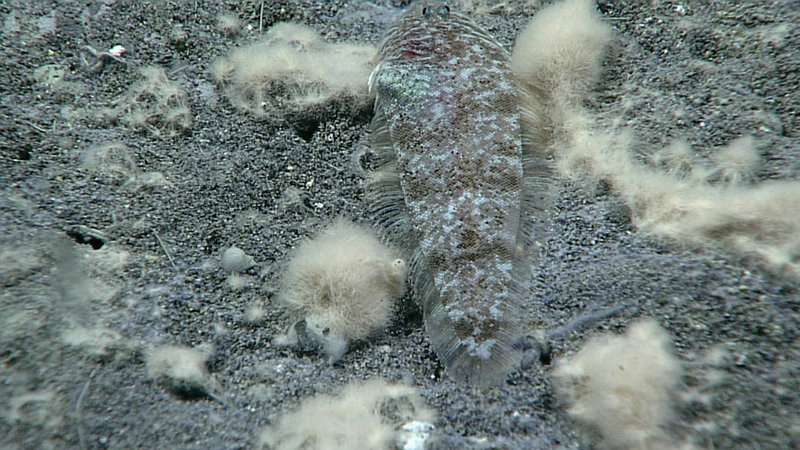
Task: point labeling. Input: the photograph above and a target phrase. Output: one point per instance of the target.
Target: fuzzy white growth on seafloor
(291, 69)
(718, 204)
(154, 103)
(343, 282)
(182, 370)
(623, 386)
(365, 415)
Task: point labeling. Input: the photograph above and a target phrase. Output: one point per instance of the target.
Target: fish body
(452, 189)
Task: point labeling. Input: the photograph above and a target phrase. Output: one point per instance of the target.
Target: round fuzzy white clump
(181, 369)
(623, 387)
(738, 162)
(344, 282)
(365, 415)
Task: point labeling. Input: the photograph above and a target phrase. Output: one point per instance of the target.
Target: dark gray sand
(76, 322)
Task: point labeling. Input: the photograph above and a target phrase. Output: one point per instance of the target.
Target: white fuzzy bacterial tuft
(154, 103)
(716, 203)
(562, 48)
(343, 281)
(623, 386)
(365, 416)
(738, 162)
(293, 68)
(181, 369)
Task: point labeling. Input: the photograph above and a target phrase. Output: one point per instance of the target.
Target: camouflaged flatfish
(460, 183)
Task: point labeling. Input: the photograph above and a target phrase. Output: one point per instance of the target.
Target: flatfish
(461, 183)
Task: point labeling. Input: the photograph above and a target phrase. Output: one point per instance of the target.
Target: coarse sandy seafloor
(234, 179)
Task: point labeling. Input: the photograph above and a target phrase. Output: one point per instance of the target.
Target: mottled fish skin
(447, 125)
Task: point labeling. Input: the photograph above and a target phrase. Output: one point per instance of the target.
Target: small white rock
(235, 259)
(117, 50)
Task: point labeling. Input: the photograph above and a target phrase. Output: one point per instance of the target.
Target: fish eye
(442, 11)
